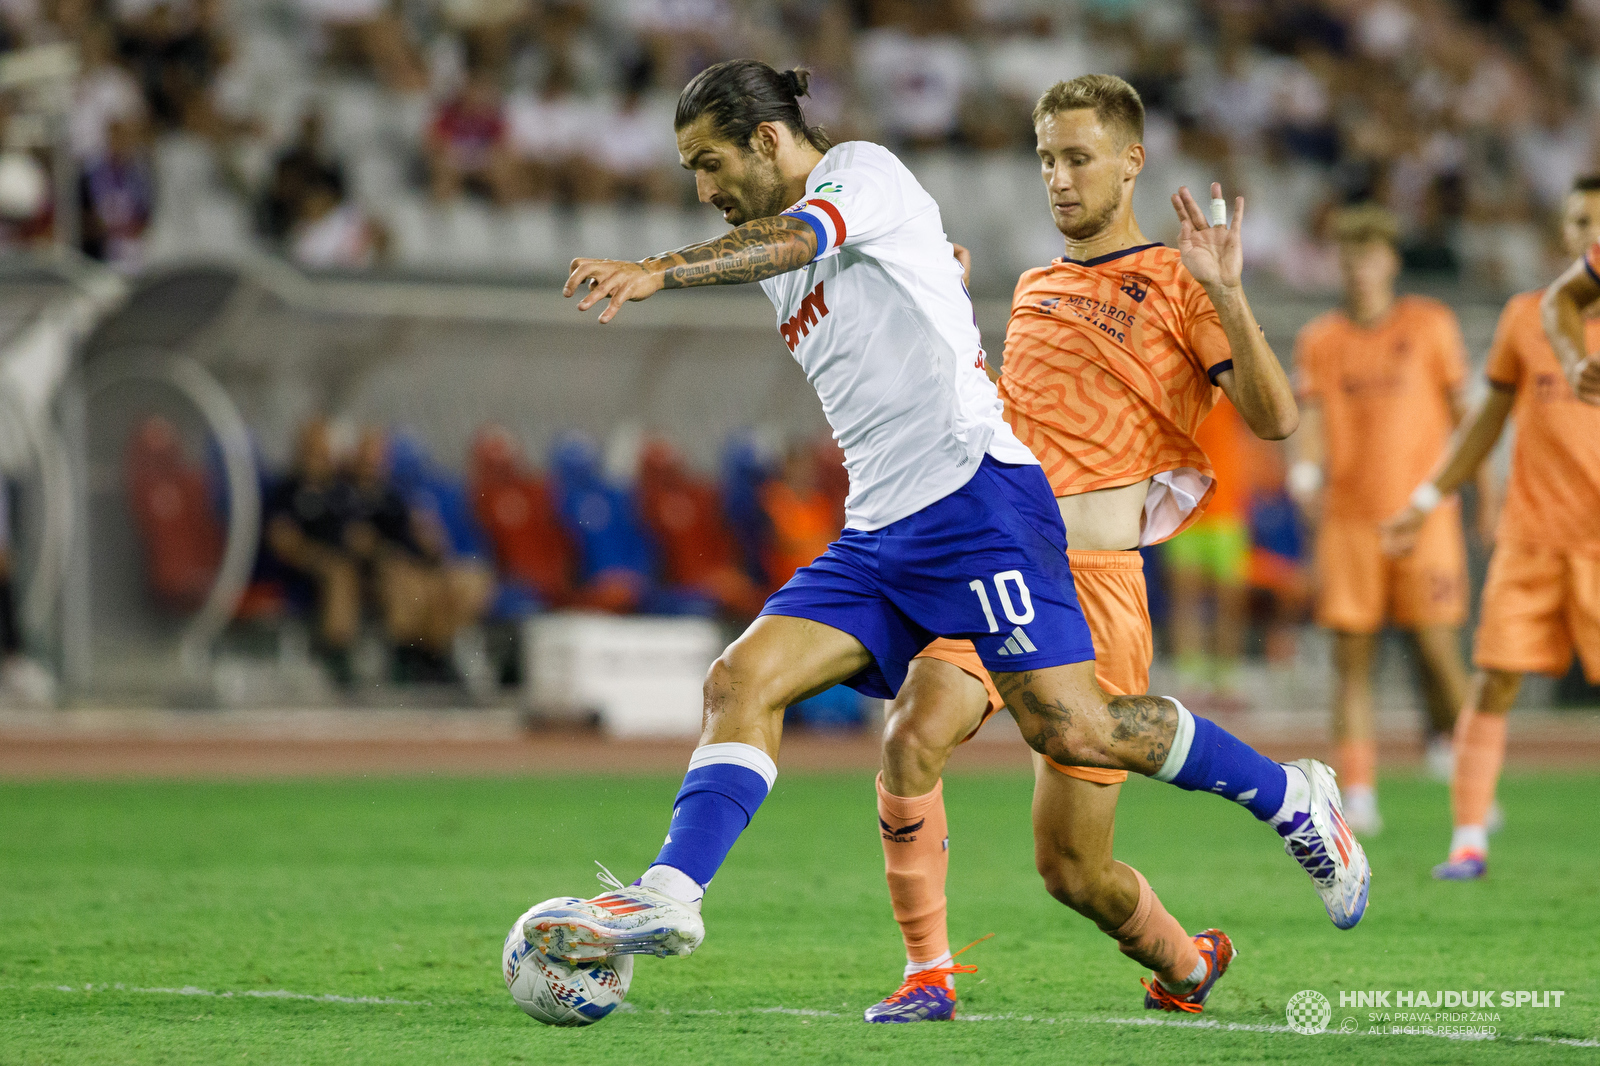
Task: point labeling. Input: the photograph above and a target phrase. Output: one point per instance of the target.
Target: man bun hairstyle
(1114, 102)
(741, 94)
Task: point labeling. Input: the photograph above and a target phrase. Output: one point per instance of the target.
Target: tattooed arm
(760, 249)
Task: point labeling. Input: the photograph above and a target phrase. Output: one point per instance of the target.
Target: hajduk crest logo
(1309, 1012)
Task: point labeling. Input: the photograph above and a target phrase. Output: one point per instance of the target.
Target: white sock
(918, 967)
(1296, 795)
(1178, 754)
(671, 881)
(1470, 837)
(1190, 983)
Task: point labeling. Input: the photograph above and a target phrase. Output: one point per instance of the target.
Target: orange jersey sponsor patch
(1385, 395)
(1553, 494)
(1110, 367)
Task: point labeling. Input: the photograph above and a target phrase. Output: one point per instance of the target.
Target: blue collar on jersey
(1097, 260)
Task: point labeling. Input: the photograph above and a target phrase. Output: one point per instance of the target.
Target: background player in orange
(1114, 355)
(1211, 560)
(1542, 597)
(1381, 383)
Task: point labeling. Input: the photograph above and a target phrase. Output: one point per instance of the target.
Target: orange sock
(1480, 749)
(1153, 938)
(916, 858)
(1358, 760)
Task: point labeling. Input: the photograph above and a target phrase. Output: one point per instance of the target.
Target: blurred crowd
(368, 534)
(1468, 119)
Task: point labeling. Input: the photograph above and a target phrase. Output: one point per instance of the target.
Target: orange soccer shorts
(1539, 605)
(1112, 594)
(1359, 587)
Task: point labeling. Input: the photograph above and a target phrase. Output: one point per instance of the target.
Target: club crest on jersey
(812, 310)
(1136, 286)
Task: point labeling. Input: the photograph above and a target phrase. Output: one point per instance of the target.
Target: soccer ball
(558, 992)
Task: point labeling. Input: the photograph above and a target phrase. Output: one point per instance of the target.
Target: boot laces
(606, 877)
(935, 975)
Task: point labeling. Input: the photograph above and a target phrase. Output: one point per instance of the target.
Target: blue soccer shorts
(986, 563)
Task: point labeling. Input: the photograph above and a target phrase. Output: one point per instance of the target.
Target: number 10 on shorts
(1002, 582)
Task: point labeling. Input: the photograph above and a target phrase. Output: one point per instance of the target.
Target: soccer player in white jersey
(951, 526)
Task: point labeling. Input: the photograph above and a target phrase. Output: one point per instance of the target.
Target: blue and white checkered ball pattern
(556, 992)
(1309, 1012)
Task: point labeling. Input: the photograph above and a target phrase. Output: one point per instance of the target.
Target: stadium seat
(535, 557)
(179, 528)
(615, 565)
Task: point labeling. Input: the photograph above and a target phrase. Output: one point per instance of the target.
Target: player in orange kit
(1382, 385)
(1114, 355)
(1541, 600)
(1213, 556)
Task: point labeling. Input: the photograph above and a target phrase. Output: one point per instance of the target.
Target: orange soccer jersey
(1553, 494)
(1385, 394)
(1110, 367)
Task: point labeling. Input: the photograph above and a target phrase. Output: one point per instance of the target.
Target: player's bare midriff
(1104, 519)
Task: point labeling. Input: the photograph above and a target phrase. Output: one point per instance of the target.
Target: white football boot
(1326, 849)
(627, 920)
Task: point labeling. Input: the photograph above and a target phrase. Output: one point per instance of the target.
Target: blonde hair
(1115, 103)
(1361, 223)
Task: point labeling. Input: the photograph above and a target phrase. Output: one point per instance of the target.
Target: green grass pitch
(391, 897)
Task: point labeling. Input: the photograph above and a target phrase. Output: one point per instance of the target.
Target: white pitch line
(807, 1012)
(252, 993)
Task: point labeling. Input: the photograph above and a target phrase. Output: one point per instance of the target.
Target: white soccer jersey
(884, 330)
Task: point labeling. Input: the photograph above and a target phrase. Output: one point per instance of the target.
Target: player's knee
(1070, 742)
(736, 682)
(1071, 879)
(913, 753)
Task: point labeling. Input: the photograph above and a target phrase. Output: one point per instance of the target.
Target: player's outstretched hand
(618, 279)
(1400, 532)
(1213, 254)
(1585, 380)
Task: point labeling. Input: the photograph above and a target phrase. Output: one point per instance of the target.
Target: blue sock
(1207, 758)
(724, 786)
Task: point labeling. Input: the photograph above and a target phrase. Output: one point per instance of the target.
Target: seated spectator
(489, 28)
(918, 75)
(372, 33)
(531, 546)
(334, 234)
(614, 567)
(803, 520)
(467, 146)
(306, 515)
(149, 37)
(304, 165)
(684, 515)
(427, 592)
(173, 508)
(546, 133)
(116, 198)
(634, 149)
(105, 92)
